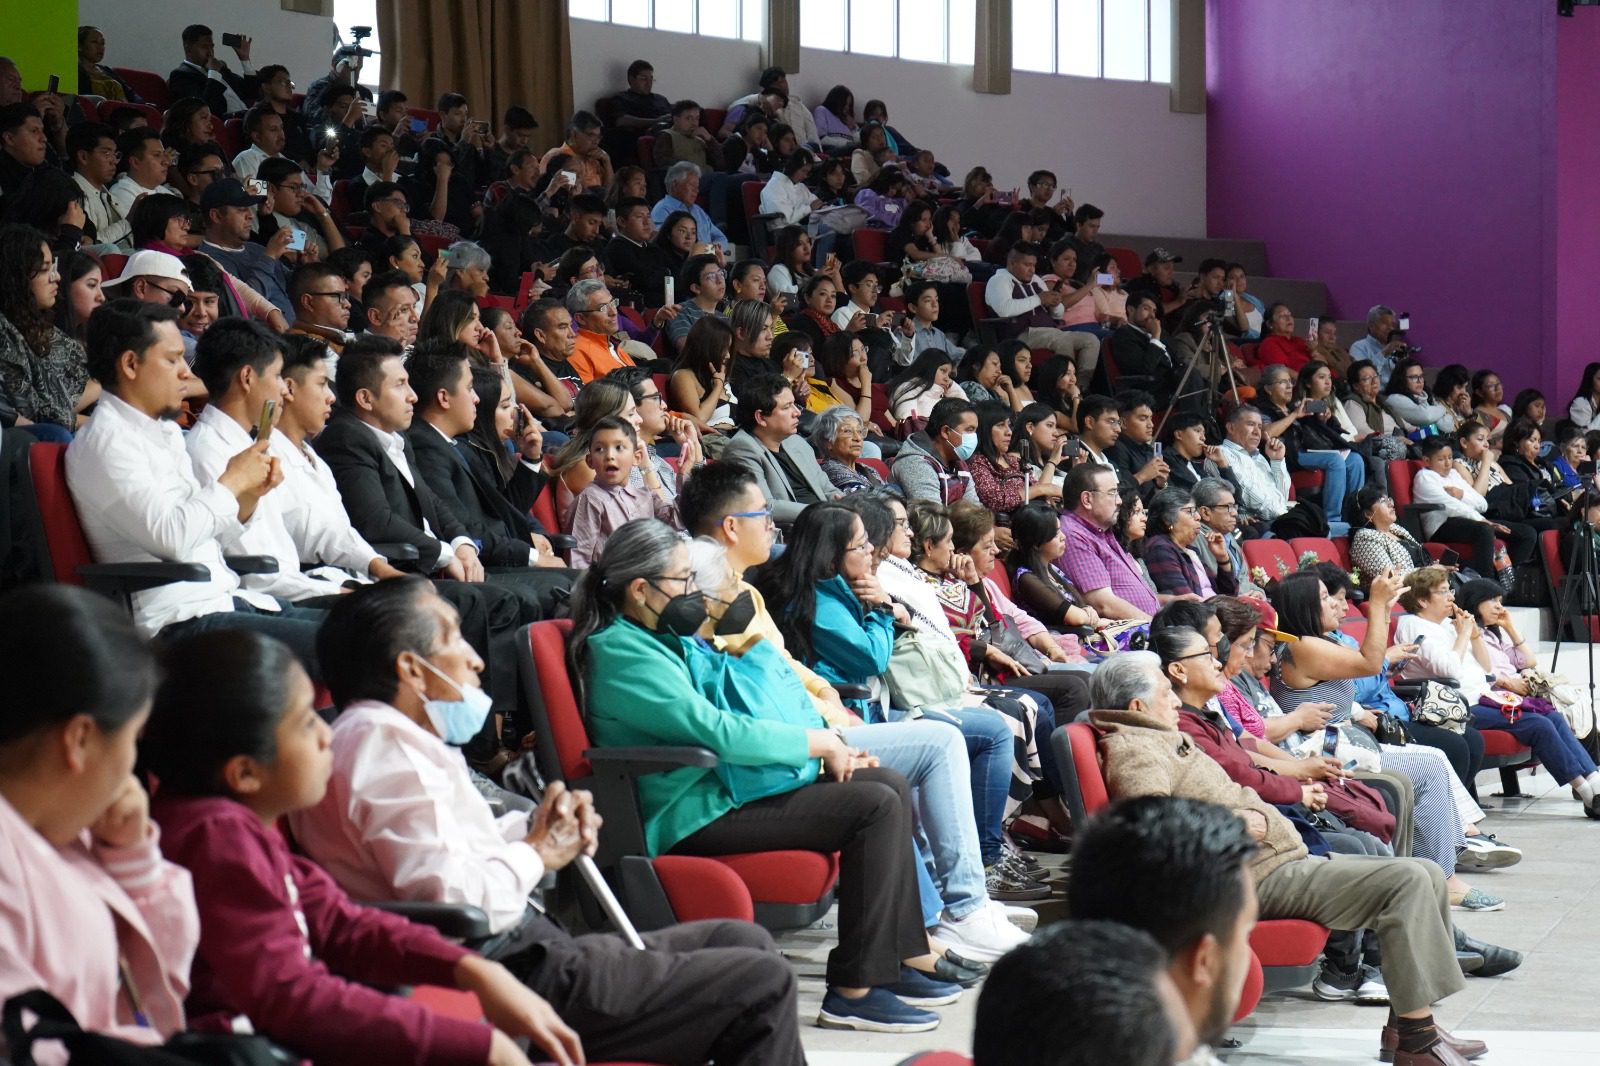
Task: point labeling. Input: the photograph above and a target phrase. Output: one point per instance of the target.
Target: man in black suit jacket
(1139, 352)
(384, 489)
(193, 77)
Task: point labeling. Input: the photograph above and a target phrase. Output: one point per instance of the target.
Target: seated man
(321, 299)
(1258, 466)
(1215, 504)
(402, 820)
(686, 139)
(264, 127)
(229, 211)
(609, 501)
(1382, 345)
(92, 149)
(1086, 221)
(1139, 352)
(768, 444)
(639, 106)
(932, 463)
(138, 496)
(683, 192)
(388, 215)
(204, 76)
(144, 168)
(631, 258)
(1083, 993)
(277, 95)
(516, 130)
(1190, 459)
(1157, 280)
(586, 215)
(1134, 456)
(1034, 310)
(594, 313)
(1097, 564)
(702, 283)
(389, 308)
(589, 160)
(549, 326)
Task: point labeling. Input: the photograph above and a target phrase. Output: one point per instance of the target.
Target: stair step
(1253, 254)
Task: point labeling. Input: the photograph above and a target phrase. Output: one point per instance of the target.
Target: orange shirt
(596, 356)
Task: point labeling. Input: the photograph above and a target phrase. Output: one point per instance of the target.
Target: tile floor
(1544, 1014)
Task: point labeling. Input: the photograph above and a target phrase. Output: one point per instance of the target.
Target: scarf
(824, 323)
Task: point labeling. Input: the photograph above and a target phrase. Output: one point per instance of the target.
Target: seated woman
(1584, 410)
(914, 391)
(984, 380)
(948, 232)
(698, 385)
(91, 905)
(1536, 485)
(1280, 344)
(1530, 404)
(1056, 385)
(1364, 408)
(237, 746)
(1570, 455)
(1415, 410)
(635, 611)
(1312, 440)
(846, 376)
(1038, 440)
(1040, 587)
(44, 378)
(1170, 551)
(1488, 402)
(885, 197)
(1479, 463)
(1089, 307)
(499, 423)
(1451, 642)
(536, 385)
(814, 318)
(998, 476)
(1379, 542)
(792, 264)
(913, 246)
(867, 161)
(1315, 384)
(838, 435)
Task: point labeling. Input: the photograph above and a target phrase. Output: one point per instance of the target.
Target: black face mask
(683, 615)
(738, 615)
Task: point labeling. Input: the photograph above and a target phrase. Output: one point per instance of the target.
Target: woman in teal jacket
(837, 618)
(635, 616)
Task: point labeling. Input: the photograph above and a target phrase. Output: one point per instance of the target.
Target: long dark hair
(814, 554)
(708, 345)
(973, 361)
(1397, 378)
(1043, 384)
(1033, 526)
(904, 231)
(72, 267)
(223, 695)
(1586, 389)
(1021, 440)
(1297, 598)
(640, 548)
(446, 314)
(483, 435)
(22, 252)
(917, 378)
(990, 415)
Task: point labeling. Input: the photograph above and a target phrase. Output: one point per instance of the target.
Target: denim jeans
(1342, 475)
(989, 750)
(295, 626)
(932, 757)
(1548, 735)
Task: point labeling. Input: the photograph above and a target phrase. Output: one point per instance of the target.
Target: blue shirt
(1371, 349)
(1373, 691)
(706, 231)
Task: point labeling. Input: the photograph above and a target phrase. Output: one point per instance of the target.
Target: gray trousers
(1402, 900)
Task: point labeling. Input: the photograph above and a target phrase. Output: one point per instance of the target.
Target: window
(1126, 40)
(928, 31)
(348, 13)
(735, 19)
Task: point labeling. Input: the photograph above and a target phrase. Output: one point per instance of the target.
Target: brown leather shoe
(1451, 1049)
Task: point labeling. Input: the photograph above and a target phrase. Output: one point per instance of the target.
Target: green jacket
(640, 692)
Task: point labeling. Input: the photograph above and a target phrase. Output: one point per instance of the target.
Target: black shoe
(1496, 960)
(953, 973)
(1469, 961)
(961, 962)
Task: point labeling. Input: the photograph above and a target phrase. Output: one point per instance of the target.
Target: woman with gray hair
(467, 268)
(1170, 551)
(838, 435)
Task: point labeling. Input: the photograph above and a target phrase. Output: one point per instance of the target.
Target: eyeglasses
(1207, 654)
(1115, 494)
(1190, 511)
(342, 297)
(864, 547)
(714, 275)
(1225, 508)
(687, 581)
(766, 516)
(611, 305)
(209, 172)
(652, 397)
(298, 186)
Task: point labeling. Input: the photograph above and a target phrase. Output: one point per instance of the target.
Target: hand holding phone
(54, 85)
(297, 239)
(231, 40)
(264, 423)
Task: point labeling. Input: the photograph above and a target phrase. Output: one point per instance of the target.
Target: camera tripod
(1211, 347)
(1577, 602)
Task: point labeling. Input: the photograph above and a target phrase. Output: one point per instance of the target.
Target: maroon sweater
(282, 944)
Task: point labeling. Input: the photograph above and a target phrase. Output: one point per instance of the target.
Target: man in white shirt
(1016, 293)
(264, 127)
(1259, 466)
(401, 820)
(139, 499)
(145, 161)
(92, 147)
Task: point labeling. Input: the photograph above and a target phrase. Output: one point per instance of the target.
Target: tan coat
(1143, 758)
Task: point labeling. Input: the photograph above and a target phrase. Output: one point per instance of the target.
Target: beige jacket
(1143, 758)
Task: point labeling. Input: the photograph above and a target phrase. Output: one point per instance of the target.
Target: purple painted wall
(1404, 152)
(1577, 195)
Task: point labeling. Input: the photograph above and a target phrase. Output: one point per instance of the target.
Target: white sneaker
(1024, 918)
(1484, 852)
(982, 936)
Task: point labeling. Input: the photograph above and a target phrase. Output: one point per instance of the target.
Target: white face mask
(456, 721)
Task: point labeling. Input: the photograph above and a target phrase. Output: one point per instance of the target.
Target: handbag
(1390, 730)
(1118, 636)
(922, 673)
(1509, 704)
(1442, 706)
(54, 1022)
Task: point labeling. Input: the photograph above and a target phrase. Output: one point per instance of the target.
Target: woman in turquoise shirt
(634, 618)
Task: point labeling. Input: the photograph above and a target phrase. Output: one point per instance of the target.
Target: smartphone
(1312, 330)
(264, 424)
(521, 421)
(1315, 407)
(1069, 450)
(54, 84)
(1104, 279)
(1404, 322)
(1330, 739)
(1449, 558)
(418, 126)
(258, 187)
(571, 176)
(231, 40)
(297, 240)
(1155, 446)
(668, 291)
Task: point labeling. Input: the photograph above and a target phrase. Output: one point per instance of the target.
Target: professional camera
(1406, 351)
(354, 49)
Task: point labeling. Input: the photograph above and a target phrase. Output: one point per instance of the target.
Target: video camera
(354, 49)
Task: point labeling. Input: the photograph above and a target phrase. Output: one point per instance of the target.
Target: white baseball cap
(149, 263)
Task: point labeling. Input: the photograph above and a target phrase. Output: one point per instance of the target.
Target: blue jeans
(989, 751)
(1548, 735)
(1341, 477)
(931, 756)
(295, 626)
(49, 432)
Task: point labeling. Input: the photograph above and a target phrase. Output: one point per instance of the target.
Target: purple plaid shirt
(1094, 560)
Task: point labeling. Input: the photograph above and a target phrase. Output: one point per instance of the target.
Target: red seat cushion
(1086, 761)
(1255, 983)
(1499, 742)
(1288, 941)
(799, 877)
(47, 463)
(698, 889)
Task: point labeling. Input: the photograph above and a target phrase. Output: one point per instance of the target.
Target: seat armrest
(1412, 686)
(562, 542)
(853, 692)
(251, 564)
(651, 759)
(123, 578)
(397, 552)
(459, 921)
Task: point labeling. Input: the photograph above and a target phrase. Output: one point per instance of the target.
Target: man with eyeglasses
(388, 215)
(145, 171)
(92, 147)
(321, 299)
(229, 212)
(198, 166)
(1214, 503)
(389, 308)
(153, 277)
(703, 280)
(1095, 561)
(292, 206)
(1380, 344)
(769, 446)
(594, 312)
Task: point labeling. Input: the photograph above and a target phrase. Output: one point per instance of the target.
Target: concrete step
(1253, 254)
(1305, 297)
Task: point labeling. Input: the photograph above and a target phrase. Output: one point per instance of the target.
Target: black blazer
(186, 81)
(382, 505)
(490, 518)
(1137, 354)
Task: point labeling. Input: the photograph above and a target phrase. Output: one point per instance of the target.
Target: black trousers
(1464, 750)
(868, 820)
(539, 592)
(702, 991)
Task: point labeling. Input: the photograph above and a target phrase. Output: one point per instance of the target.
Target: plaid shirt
(1095, 560)
(1178, 570)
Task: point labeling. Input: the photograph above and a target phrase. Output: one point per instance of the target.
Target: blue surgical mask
(457, 721)
(968, 445)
